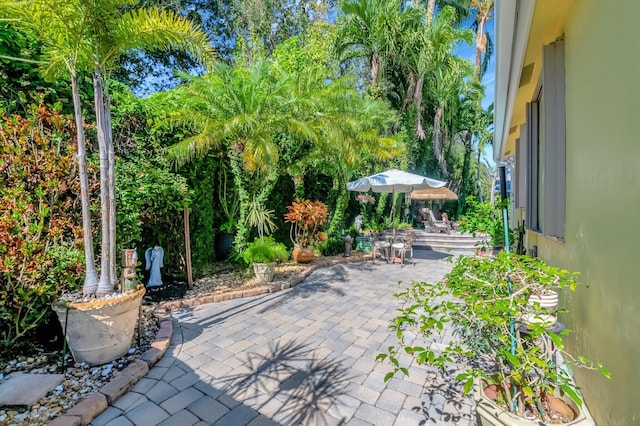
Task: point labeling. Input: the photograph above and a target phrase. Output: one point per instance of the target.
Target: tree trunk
(235, 158)
(411, 87)
(431, 6)
(91, 276)
(466, 170)
(375, 68)
(104, 286)
(337, 219)
(437, 144)
(417, 101)
(481, 44)
(111, 185)
(478, 175)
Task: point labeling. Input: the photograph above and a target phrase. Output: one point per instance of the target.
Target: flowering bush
(306, 218)
(366, 199)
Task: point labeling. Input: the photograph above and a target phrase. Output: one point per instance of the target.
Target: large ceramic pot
(302, 254)
(548, 303)
(490, 414)
(264, 271)
(223, 245)
(100, 331)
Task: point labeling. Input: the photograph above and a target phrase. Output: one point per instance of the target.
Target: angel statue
(154, 262)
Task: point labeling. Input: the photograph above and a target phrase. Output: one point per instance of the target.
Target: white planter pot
(546, 314)
(264, 271)
(489, 413)
(547, 301)
(100, 331)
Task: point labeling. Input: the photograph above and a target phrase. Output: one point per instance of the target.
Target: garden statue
(129, 262)
(154, 262)
(357, 222)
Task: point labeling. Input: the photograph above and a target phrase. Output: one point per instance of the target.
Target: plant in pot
(306, 218)
(263, 252)
(230, 206)
(520, 370)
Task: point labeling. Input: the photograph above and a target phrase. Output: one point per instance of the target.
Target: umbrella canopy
(442, 193)
(393, 180)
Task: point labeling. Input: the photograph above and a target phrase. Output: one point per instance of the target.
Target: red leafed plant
(306, 218)
(39, 253)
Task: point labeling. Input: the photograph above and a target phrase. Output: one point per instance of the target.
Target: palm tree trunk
(411, 88)
(478, 175)
(437, 144)
(111, 185)
(481, 44)
(235, 158)
(466, 169)
(431, 6)
(417, 101)
(375, 68)
(91, 276)
(104, 286)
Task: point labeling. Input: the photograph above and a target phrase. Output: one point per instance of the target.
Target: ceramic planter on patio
(302, 254)
(100, 331)
(490, 414)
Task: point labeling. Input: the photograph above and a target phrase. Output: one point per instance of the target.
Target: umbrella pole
(393, 214)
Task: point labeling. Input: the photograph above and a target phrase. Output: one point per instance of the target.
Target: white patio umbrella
(393, 181)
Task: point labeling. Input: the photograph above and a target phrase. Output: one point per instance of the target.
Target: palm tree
(88, 37)
(241, 111)
(370, 29)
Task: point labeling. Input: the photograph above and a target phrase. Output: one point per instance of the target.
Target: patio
(301, 356)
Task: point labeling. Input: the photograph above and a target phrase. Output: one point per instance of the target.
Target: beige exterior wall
(602, 237)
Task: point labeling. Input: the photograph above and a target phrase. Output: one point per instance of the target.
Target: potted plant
(523, 371)
(306, 218)
(230, 206)
(263, 253)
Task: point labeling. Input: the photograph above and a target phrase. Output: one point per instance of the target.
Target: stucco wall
(602, 237)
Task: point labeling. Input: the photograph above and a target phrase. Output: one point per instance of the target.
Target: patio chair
(381, 245)
(433, 225)
(403, 249)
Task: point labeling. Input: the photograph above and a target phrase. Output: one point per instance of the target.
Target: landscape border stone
(89, 408)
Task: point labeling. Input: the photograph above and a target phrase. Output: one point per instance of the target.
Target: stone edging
(89, 408)
(255, 291)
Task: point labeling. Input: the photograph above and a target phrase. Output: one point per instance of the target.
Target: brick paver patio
(305, 356)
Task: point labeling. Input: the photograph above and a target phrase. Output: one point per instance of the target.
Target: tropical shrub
(39, 251)
(265, 250)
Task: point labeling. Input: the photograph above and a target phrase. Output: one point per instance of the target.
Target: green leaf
(389, 375)
(468, 385)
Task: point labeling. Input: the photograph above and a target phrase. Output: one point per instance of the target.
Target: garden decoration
(129, 263)
(154, 258)
(393, 181)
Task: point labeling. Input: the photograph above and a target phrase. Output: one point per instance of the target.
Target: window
(545, 147)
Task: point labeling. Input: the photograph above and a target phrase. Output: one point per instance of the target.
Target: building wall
(602, 237)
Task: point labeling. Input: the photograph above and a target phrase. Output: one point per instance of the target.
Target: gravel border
(89, 408)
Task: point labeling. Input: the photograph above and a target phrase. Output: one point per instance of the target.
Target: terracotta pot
(100, 331)
(264, 271)
(303, 254)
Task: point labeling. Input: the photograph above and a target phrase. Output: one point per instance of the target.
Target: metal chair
(381, 244)
(404, 249)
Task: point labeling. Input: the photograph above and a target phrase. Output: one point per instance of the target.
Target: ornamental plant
(482, 299)
(265, 250)
(306, 219)
(40, 245)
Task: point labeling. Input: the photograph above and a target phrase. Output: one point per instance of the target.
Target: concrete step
(454, 242)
